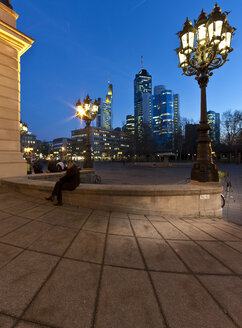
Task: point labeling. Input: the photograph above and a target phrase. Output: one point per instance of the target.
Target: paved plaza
(74, 268)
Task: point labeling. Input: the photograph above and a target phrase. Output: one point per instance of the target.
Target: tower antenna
(141, 62)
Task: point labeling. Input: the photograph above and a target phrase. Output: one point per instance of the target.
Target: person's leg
(56, 191)
(63, 186)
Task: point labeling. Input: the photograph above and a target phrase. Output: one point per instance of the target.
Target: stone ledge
(174, 200)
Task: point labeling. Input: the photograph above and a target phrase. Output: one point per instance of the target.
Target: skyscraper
(163, 118)
(214, 122)
(167, 115)
(142, 103)
(104, 117)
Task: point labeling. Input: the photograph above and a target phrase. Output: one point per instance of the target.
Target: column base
(204, 172)
(12, 164)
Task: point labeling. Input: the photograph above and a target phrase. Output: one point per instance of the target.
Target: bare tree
(232, 127)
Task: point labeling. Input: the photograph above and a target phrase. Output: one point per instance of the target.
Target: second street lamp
(87, 111)
(204, 47)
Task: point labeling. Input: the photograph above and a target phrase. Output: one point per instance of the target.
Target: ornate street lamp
(87, 111)
(204, 47)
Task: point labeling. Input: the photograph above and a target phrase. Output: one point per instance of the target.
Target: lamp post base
(204, 172)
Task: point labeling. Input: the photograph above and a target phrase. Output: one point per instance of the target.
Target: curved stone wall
(169, 200)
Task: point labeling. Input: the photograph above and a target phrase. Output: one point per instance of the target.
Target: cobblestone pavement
(71, 267)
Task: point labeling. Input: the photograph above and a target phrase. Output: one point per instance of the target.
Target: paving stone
(25, 324)
(64, 218)
(20, 280)
(68, 298)
(19, 208)
(26, 235)
(96, 224)
(228, 292)
(230, 229)
(11, 223)
(7, 253)
(119, 215)
(4, 215)
(127, 300)
(230, 257)
(36, 212)
(216, 233)
(79, 210)
(123, 251)
(168, 231)
(8, 202)
(187, 304)
(137, 217)
(231, 224)
(159, 256)
(103, 214)
(88, 246)
(6, 322)
(120, 227)
(197, 259)
(144, 229)
(236, 245)
(54, 241)
(193, 232)
(156, 218)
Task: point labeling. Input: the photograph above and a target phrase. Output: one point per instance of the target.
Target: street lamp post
(87, 111)
(204, 47)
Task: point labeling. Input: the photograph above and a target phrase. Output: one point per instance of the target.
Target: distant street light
(87, 111)
(204, 47)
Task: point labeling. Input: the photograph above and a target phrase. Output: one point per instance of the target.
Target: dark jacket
(72, 176)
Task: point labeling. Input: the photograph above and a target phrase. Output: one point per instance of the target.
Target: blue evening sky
(81, 44)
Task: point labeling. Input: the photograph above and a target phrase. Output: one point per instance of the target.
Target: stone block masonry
(13, 44)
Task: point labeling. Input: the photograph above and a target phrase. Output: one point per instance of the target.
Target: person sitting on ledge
(69, 181)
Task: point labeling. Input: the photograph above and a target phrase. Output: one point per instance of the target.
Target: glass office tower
(167, 119)
(142, 103)
(214, 122)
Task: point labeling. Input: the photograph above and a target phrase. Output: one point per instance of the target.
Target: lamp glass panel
(202, 32)
(191, 39)
(218, 28)
(222, 46)
(210, 31)
(185, 41)
(80, 110)
(228, 39)
(182, 59)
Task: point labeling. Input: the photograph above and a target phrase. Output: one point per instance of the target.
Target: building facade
(142, 104)
(13, 44)
(27, 139)
(62, 148)
(214, 122)
(129, 126)
(105, 144)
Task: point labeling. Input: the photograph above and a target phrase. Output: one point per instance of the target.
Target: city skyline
(54, 76)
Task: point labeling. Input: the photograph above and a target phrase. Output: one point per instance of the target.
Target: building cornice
(18, 40)
(9, 10)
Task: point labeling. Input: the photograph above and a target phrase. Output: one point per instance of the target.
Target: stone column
(13, 44)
